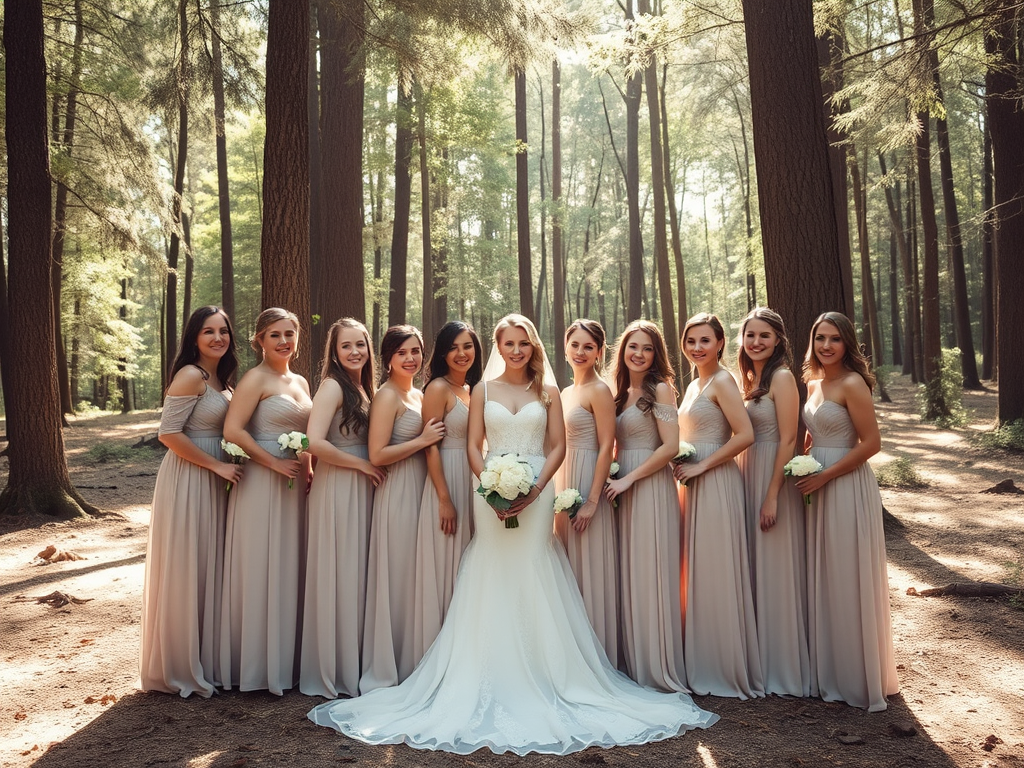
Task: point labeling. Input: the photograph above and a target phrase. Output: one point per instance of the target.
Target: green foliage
(899, 473)
(1008, 436)
(942, 400)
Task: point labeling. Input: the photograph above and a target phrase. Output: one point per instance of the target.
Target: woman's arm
(326, 403)
(383, 412)
(726, 394)
(435, 403)
(668, 432)
(475, 430)
(246, 397)
(787, 410)
(861, 408)
(602, 405)
(189, 382)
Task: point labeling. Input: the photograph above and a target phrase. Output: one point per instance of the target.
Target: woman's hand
(290, 468)
(769, 512)
(377, 475)
(521, 503)
(449, 520)
(809, 484)
(584, 515)
(433, 432)
(617, 487)
(230, 472)
(687, 470)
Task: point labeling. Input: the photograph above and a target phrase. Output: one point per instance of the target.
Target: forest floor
(68, 673)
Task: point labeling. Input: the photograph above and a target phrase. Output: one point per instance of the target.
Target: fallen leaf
(53, 554)
(30, 751)
(20, 715)
(990, 742)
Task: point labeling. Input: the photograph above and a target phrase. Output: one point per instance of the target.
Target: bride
(516, 666)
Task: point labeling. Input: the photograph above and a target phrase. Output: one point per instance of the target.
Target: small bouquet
(568, 501)
(685, 453)
(802, 466)
(504, 479)
(235, 455)
(297, 442)
(613, 474)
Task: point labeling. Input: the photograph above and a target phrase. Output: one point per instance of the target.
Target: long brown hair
(703, 318)
(535, 368)
(267, 318)
(395, 337)
(660, 370)
(593, 329)
(188, 352)
(853, 358)
(782, 355)
(355, 417)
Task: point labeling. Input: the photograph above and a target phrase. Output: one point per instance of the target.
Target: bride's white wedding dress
(516, 666)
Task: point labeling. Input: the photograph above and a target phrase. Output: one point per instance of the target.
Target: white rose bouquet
(505, 479)
(613, 474)
(685, 453)
(235, 455)
(802, 466)
(297, 442)
(568, 501)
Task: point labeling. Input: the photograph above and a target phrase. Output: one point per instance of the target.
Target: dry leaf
(20, 715)
(54, 554)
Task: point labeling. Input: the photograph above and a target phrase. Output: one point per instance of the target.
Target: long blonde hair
(535, 369)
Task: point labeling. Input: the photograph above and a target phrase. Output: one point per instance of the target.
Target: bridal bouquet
(235, 455)
(613, 474)
(685, 453)
(802, 466)
(297, 442)
(504, 479)
(568, 501)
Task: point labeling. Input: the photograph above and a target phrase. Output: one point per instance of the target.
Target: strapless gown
(516, 666)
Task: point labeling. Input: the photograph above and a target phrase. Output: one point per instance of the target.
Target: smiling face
(759, 340)
(639, 352)
(828, 344)
(214, 337)
(352, 351)
(582, 350)
(407, 359)
(280, 340)
(701, 346)
(515, 347)
(461, 355)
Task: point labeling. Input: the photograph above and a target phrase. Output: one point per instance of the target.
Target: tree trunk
(227, 258)
(523, 199)
(915, 282)
(427, 325)
(316, 203)
(673, 216)
(636, 244)
(988, 292)
(4, 327)
(794, 179)
(932, 341)
(909, 311)
(377, 204)
(403, 206)
(1006, 125)
(341, 282)
(871, 336)
(284, 248)
(894, 301)
(439, 246)
(557, 254)
(743, 169)
(542, 280)
(38, 480)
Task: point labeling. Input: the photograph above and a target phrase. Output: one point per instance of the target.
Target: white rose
(489, 479)
(283, 441)
(506, 490)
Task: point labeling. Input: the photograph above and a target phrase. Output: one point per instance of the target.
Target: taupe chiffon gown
(438, 555)
(594, 554)
(778, 561)
(720, 630)
(388, 640)
(264, 562)
(652, 631)
(181, 596)
(848, 586)
(339, 504)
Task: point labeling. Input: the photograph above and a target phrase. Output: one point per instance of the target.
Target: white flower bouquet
(685, 453)
(802, 466)
(568, 501)
(235, 455)
(613, 474)
(297, 442)
(505, 479)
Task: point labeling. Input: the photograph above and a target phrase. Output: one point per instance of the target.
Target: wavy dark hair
(267, 318)
(593, 329)
(660, 370)
(395, 337)
(853, 358)
(188, 352)
(354, 416)
(782, 356)
(438, 364)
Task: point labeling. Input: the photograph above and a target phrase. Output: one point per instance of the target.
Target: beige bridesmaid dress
(181, 596)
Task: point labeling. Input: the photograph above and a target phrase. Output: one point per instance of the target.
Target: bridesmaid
(718, 612)
(340, 500)
(775, 513)
(848, 588)
(265, 541)
(181, 597)
(397, 437)
(647, 436)
(590, 539)
(446, 509)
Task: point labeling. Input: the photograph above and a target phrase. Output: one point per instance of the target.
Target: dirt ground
(68, 673)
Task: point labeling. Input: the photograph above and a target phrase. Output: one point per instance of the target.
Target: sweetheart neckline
(815, 409)
(511, 412)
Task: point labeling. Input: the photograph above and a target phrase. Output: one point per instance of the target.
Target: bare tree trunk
(557, 254)
(38, 481)
(316, 203)
(227, 257)
(184, 77)
(915, 281)
(523, 199)
(427, 324)
(403, 206)
(284, 249)
(377, 203)
(871, 336)
(894, 301)
(538, 303)
(673, 214)
(988, 305)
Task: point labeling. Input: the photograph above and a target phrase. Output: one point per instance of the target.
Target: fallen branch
(969, 589)
(55, 599)
(54, 554)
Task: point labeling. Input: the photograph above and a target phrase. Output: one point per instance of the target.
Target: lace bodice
(521, 432)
